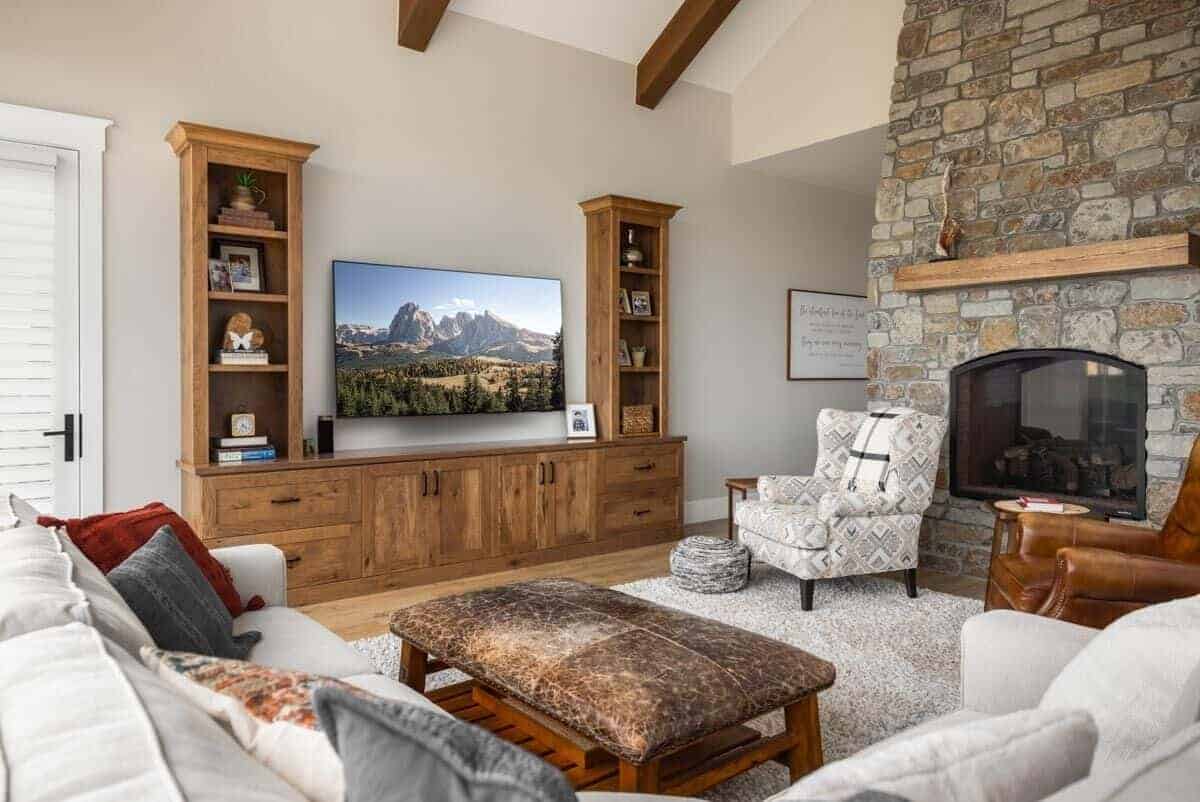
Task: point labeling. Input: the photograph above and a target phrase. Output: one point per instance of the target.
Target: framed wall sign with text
(827, 336)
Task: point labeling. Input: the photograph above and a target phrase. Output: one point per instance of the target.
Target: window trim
(88, 137)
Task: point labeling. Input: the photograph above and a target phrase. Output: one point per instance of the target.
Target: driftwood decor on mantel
(1122, 256)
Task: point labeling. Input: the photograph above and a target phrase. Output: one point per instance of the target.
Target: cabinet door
(517, 503)
(459, 489)
(399, 518)
(569, 495)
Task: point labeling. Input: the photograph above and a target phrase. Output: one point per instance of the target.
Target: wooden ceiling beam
(417, 21)
(684, 37)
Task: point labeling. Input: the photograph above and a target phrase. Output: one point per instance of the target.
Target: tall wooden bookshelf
(611, 386)
(209, 161)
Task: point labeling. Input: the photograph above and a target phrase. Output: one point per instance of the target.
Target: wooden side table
(1005, 529)
(743, 484)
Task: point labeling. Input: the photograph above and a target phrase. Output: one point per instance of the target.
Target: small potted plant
(638, 352)
(244, 192)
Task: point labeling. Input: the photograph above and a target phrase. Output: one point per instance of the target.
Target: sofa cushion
(109, 538)
(36, 590)
(1168, 771)
(1131, 676)
(110, 614)
(387, 688)
(24, 513)
(955, 719)
(385, 745)
(81, 721)
(789, 524)
(1020, 757)
(293, 641)
(1187, 709)
(164, 587)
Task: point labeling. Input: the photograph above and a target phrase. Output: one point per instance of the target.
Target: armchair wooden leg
(806, 593)
(910, 581)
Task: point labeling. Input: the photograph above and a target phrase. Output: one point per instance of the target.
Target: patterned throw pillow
(107, 539)
(867, 467)
(269, 712)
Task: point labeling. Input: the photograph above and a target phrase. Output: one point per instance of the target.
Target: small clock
(241, 424)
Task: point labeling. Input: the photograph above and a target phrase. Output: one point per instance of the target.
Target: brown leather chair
(1091, 572)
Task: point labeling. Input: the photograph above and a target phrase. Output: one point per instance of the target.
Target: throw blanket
(867, 467)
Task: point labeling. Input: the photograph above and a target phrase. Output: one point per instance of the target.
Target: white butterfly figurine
(242, 342)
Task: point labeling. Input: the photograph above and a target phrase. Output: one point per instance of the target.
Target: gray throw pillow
(165, 589)
(397, 752)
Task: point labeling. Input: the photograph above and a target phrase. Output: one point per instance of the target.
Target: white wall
(472, 155)
(828, 76)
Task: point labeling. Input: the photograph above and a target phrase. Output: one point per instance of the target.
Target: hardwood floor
(364, 616)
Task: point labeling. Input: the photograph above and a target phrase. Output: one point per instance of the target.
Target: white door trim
(88, 137)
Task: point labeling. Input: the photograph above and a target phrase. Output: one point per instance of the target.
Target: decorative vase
(639, 356)
(245, 200)
(631, 254)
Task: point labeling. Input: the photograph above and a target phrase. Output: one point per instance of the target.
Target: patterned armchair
(814, 529)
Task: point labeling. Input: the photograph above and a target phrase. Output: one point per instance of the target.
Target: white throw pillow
(36, 590)
(109, 612)
(25, 513)
(1132, 676)
(1021, 757)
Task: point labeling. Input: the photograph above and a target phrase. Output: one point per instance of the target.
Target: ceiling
(624, 29)
(850, 163)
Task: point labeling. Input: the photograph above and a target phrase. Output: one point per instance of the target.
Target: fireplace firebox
(1066, 423)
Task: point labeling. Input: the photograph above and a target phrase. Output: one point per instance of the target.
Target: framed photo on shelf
(641, 303)
(623, 301)
(826, 336)
(581, 420)
(246, 261)
(623, 357)
(218, 276)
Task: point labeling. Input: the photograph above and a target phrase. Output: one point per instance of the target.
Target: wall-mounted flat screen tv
(422, 341)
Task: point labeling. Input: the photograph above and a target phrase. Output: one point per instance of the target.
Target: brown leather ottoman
(616, 691)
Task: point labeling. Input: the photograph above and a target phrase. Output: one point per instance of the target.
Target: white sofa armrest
(1010, 658)
(259, 569)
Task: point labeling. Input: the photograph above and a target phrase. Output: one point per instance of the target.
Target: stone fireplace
(1065, 122)
(1064, 422)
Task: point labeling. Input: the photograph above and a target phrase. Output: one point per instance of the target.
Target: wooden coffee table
(617, 692)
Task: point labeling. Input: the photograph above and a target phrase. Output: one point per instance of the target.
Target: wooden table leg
(413, 662)
(635, 779)
(802, 719)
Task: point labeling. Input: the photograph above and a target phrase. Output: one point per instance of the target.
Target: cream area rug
(897, 658)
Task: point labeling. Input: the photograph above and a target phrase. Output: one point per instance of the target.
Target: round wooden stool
(1006, 521)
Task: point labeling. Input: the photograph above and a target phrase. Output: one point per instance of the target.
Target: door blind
(27, 369)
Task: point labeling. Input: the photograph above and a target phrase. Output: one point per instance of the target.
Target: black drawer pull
(293, 560)
(640, 513)
(288, 500)
(649, 466)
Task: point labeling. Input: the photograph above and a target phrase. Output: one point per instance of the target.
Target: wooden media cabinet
(359, 522)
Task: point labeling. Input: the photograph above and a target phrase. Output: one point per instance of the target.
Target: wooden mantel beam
(417, 22)
(684, 37)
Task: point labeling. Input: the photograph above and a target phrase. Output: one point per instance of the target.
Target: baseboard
(706, 509)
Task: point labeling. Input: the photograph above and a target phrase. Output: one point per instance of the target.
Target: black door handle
(437, 482)
(541, 473)
(424, 484)
(551, 473)
(67, 432)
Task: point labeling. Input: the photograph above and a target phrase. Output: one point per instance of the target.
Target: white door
(40, 424)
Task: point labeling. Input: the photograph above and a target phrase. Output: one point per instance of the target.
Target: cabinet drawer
(625, 466)
(314, 556)
(637, 510)
(261, 504)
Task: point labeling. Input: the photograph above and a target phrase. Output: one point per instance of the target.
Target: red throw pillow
(107, 539)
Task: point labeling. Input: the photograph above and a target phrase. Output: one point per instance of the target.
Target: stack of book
(1039, 504)
(230, 450)
(242, 357)
(248, 218)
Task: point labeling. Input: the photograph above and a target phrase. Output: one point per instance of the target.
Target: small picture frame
(623, 356)
(245, 260)
(581, 421)
(641, 303)
(218, 276)
(623, 301)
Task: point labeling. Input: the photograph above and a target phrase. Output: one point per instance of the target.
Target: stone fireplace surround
(1067, 122)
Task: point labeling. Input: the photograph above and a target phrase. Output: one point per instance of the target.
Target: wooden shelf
(640, 271)
(642, 318)
(632, 369)
(248, 297)
(247, 368)
(645, 436)
(245, 232)
(1124, 256)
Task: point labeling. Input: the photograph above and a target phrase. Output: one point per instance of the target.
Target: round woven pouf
(710, 565)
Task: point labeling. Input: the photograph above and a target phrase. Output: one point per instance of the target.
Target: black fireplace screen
(1070, 424)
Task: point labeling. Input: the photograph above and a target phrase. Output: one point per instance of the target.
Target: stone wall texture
(1065, 122)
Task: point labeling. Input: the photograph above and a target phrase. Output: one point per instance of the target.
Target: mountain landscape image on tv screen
(419, 341)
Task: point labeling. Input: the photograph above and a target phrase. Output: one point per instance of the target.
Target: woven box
(637, 419)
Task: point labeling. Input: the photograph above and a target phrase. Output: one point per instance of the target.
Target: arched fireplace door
(1064, 423)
